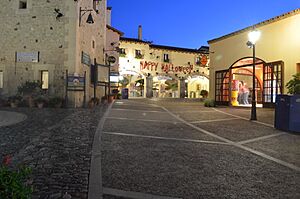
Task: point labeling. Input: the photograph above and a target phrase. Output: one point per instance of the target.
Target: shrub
(3, 101)
(204, 93)
(40, 99)
(55, 102)
(209, 103)
(14, 99)
(30, 88)
(13, 183)
(293, 85)
(96, 100)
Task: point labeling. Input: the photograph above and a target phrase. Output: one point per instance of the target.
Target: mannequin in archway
(244, 93)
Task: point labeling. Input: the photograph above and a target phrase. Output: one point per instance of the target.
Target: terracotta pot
(13, 105)
(110, 99)
(91, 104)
(58, 105)
(40, 105)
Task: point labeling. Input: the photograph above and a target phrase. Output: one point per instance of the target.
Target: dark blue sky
(191, 23)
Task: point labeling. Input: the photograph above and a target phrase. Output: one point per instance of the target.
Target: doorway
(268, 83)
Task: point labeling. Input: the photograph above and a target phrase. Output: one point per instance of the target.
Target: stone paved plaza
(56, 144)
(158, 148)
(176, 148)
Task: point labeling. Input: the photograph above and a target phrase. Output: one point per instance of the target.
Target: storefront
(149, 70)
(277, 59)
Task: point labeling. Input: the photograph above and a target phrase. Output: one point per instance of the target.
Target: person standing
(245, 94)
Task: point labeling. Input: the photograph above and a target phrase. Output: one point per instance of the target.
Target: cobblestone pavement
(180, 149)
(56, 144)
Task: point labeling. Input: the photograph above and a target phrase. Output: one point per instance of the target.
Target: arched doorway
(241, 82)
(134, 81)
(268, 82)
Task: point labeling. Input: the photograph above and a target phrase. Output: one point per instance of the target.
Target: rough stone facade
(51, 29)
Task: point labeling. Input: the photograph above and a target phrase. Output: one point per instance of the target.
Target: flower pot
(58, 105)
(91, 104)
(40, 105)
(13, 104)
(110, 99)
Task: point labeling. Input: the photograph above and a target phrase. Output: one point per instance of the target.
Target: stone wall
(58, 39)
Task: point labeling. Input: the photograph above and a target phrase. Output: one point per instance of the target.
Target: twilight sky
(191, 23)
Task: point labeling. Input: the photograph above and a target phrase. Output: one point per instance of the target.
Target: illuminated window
(138, 54)
(166, 58)
(23, 4)
(198, 60)
(96, 5)
(1, 79)
(45, 79)
(122, 51)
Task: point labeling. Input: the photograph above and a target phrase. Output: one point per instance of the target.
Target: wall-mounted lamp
(89, 20)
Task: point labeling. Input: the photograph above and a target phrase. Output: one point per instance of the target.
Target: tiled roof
(202, 49)
(115, 30)
(134, 40)
(177, 48)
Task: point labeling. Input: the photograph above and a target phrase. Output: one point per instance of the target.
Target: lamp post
(253, 37)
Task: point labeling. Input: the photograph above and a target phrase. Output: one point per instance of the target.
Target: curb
(95, 190)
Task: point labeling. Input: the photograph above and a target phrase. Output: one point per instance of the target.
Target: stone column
(181, 88)
(149, 86)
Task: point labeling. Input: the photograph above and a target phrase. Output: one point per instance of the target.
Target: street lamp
(253, 37)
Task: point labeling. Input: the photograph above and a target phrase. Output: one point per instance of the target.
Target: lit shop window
(45, 79)
(138, 54)
(198, 60)
(23, 4)
(122, 51)
(1, 79)
(166, 58)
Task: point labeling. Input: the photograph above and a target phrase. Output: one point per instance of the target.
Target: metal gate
(222, 89)
(272, 82)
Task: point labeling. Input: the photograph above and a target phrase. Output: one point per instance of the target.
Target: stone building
(41, 40)
(112, 50)
(277, 59)
(163, 71)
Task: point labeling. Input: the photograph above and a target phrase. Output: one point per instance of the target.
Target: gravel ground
(56, 144)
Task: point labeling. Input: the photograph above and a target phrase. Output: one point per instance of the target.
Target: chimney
(140, 33)
(108, 16)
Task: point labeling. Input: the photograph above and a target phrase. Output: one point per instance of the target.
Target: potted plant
(14, 183)
(29, 90)
(204, 93)
(40, 101)
(3, 101)
(14, 100)
(56, 102)
(287, 107)
(93, 102)
(293, 85)
(104, 99)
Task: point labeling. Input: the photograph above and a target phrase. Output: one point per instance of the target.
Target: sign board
(85, 58)
(76, 83)
(32, 57)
